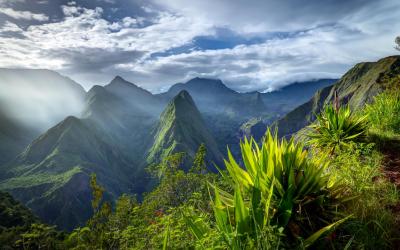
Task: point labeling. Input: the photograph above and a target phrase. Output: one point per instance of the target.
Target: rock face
(356, 88)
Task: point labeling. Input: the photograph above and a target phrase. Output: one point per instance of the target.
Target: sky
(249, 44)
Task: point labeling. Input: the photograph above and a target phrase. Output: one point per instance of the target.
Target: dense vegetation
(332, 194)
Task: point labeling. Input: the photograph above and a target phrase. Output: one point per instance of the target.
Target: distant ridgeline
(119, 130)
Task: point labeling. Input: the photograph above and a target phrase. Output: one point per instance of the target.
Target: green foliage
(278, 188)
(335, 128)
(199, 163)
(384, 113)
(373, 224)
(167, 167)
(39, 236)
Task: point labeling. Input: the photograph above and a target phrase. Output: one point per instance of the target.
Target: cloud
(280, 41)
(325, 52)
(84, 40)
(9, 2)
(249, 16)
(25, 15)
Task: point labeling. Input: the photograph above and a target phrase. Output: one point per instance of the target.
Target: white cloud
(325, 41)
(26, 15)
(249, 16)
(10, 27)
(83, 33)
(326, 52)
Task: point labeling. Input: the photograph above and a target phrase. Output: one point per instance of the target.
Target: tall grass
(373, 223)
(384, 113)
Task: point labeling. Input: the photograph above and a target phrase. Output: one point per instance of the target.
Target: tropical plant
(277, 190)
(336, 127)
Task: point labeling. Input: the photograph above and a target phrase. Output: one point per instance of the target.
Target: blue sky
(249, 44)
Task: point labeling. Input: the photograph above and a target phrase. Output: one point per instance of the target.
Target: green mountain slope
(113, 140)
(356, 88)
(109, 140)
(14, 137)
(228, 113)
(31, 101)
(13, 213)
(182, 129)
(52, 175)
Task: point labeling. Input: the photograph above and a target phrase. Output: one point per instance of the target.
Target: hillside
(31, 101)
(357, 87)
(14, 137)
(181, 129)
(56, 168)
(13, 213)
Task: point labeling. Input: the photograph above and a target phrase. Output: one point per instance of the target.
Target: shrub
(279, 189)
(335, 128)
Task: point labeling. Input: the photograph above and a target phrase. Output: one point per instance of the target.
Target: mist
(39, 99)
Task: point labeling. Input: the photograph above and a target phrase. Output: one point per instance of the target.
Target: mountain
(212, 95)
(14, 137)
(289, 97)
(52, 175)
(110, 140)
(13, 213)
(230, 115)
(31, 101)
(182, 129)
(125, 114)
(223, 109)
(116, 138)
(356, 88)
(120, 129)
(39, 98)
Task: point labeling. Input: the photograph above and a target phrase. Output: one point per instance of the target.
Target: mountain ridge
(356, 88)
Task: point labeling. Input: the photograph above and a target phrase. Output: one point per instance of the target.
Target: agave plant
(336, 127)
(273, 188)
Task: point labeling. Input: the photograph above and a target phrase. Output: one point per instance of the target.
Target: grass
(383, 113)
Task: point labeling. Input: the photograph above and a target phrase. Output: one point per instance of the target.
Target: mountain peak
(182, 101)
(122, 87)
(215, 83)
(118, 80)
(183, 95)
(181, 128)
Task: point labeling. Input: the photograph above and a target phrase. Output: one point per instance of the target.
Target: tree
(397, 41)
(199, 163)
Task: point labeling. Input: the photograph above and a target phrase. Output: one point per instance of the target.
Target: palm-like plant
(336, 127)
(272, 190)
